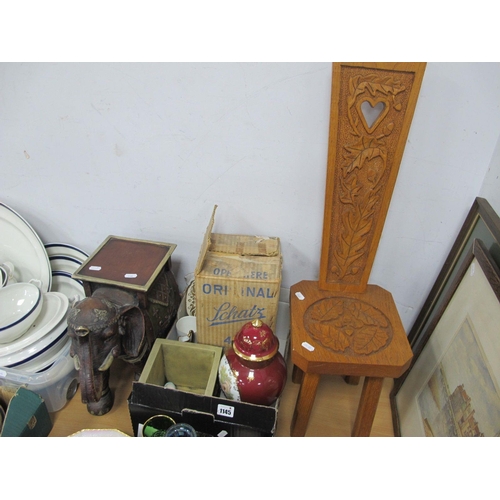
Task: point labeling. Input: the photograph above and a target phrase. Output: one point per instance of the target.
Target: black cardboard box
(210, 415)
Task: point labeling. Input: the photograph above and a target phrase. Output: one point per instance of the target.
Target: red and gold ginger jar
(253, 370)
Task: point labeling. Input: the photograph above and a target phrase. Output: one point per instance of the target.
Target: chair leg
(304, 404)
(368, 403)
(351, 380)
(297, 374)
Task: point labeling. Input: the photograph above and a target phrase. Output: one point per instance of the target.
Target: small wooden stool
(340, 325)
(356, 335)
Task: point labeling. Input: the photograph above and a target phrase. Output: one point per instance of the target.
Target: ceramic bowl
(54, 309)
(39, 339)
(20, 305)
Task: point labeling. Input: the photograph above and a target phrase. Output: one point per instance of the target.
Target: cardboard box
(237, 279)
(210, 415)
(26, 416)
(191, 367)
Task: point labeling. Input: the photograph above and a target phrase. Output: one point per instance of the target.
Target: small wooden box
(140, 267)
(125, 263)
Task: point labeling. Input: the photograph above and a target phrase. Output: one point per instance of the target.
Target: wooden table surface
(333, 414)
(75, 417)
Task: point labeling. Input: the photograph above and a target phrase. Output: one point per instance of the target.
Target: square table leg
(368, 402)
(297, 375)
(304, 404)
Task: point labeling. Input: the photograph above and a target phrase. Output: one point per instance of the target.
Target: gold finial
(257, 323)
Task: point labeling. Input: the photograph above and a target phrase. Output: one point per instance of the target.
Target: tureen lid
(255, 342)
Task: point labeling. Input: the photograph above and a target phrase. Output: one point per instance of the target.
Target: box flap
(263, 246)
(206, 242)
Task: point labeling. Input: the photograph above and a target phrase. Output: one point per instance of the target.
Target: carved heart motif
(372, 112)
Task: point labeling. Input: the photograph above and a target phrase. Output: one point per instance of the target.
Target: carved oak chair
(340, 324)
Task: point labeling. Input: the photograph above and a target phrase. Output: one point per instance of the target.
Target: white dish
(39, 347)
(22, 246)
(21, 303)
(63, 249)
(99, 433)
(65, 264)
(47, 359)
(63, 282)
(42, 337)
(54, 308)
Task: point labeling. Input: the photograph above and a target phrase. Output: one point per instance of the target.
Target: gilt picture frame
(452, 387)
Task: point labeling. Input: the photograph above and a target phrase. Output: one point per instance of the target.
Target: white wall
(491, 185)
(146, 150)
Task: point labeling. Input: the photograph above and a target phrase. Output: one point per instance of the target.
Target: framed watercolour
(452, 387)
(481, 223)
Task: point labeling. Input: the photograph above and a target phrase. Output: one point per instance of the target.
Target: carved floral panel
(348, 325)
(371, 112)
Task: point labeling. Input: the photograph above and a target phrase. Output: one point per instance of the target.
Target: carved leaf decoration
(388, 129)
(372, 83)
(367, 314)
(369, 339)
(348, 324)
(365, 155)
(331, 337)
(328, 310)
(356, 223)
(375, 86)
(355, 228)
(350, 190)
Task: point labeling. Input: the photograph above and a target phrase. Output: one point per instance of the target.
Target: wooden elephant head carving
(110, 324)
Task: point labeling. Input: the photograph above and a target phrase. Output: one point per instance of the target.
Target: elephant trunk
(94, 383)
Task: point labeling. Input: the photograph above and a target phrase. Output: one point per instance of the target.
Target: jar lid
(255, 342)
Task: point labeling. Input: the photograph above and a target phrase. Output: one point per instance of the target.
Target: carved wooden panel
(347, 333)
(371, 111)
(348, 325)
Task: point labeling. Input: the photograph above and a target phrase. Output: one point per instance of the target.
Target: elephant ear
(133, 329)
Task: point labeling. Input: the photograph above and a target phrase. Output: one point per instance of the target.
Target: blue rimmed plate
(21, 245)
(66, 250)
(63, 282)
(65, 264)
(47, 329)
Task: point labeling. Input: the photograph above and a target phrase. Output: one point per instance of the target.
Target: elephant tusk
(106, 363)
(76, 360)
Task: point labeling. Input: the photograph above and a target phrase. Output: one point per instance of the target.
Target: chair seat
(346, 333)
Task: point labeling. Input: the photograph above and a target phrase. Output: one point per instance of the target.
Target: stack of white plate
(50, 267)
(64, 261)
(40, 346)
